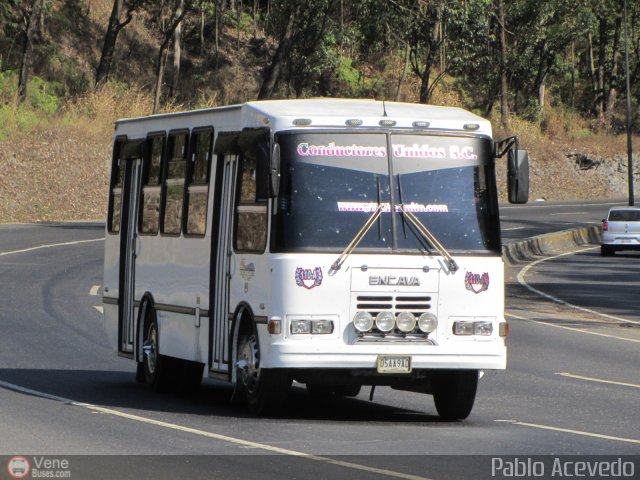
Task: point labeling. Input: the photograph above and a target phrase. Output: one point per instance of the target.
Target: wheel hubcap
(249, 364)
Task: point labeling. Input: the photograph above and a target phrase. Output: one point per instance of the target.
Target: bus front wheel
(264, 389)
(454, 393)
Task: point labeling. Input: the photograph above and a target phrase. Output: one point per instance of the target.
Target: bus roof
(333, 112)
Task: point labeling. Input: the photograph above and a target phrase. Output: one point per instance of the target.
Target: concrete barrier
(550, 243)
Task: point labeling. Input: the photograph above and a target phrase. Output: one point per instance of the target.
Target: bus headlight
(482, 328)
(316, 327)
(406, 322)
(427, 322)
(385, 321)
(321, 326)
(299, 327)
(463, 328)
(363, 321)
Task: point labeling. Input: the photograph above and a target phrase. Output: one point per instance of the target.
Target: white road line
(568, 430)
(216, 436)
(99, 308)
(94, 290)
(598, 380)
(76, 242)
(512, 228)
(573, 329)
(523, 282)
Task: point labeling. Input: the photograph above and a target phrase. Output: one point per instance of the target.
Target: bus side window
(251, 215)
(115, 190)
(198, 182)
(151, 186)
(174, 176)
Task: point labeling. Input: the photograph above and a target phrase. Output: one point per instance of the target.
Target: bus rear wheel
(155, 367)
(454, 394)
(264, 389)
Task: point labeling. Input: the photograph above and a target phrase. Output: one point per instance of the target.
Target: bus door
(132, 155)
(221, 252)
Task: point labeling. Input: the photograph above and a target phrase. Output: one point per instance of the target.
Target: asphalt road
(538, 217)
(572, 386)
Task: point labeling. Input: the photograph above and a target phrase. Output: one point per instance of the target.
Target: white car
(620, 230)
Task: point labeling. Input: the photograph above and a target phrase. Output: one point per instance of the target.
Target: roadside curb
(548, 243)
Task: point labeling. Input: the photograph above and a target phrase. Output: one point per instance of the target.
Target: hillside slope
(55, 151)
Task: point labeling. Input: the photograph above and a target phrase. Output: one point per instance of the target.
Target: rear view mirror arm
(503, 146)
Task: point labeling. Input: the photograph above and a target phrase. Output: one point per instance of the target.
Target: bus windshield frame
(333, 180)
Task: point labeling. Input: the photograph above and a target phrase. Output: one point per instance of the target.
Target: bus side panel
(175, 272)
(251, 283)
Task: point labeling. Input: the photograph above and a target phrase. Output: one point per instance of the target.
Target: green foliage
(42, 102)
(350, 77)
(43, 95)
(8, 86)
(19, 119)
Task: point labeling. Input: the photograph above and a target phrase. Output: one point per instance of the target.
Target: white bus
(335, 243)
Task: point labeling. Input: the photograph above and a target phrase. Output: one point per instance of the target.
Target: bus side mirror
(518, 175)
(274, 171)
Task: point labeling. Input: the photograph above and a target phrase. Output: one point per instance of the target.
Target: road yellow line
(521, 279)
(569, 430)
(598, 380)
(216, 436)
(573, 329)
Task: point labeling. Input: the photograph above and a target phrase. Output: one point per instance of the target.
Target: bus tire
(156, 367)
(454, 394)
(264, 389)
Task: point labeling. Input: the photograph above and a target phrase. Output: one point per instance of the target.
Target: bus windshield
(332, 182)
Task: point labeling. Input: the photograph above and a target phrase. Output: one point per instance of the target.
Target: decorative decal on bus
(333, 150)
(475, 282)
(247, 270)
(370, 207)
(308, 278)
(425, 151)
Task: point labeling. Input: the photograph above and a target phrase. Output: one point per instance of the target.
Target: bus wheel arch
(263, 390)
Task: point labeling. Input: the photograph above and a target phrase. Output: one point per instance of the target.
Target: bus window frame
(118, 142)
(188, 179)
(145, 173)
(236, 213)
(165, 171)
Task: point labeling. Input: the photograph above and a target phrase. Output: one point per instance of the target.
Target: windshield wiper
(430, 237)
(356, 240)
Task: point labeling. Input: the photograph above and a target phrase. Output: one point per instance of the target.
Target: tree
(504, 90)
(115, 25)
(275, 68)
(177, 50)
(167, 34)
(30, 17)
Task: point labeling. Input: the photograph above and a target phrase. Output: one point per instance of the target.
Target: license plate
(394, 364)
